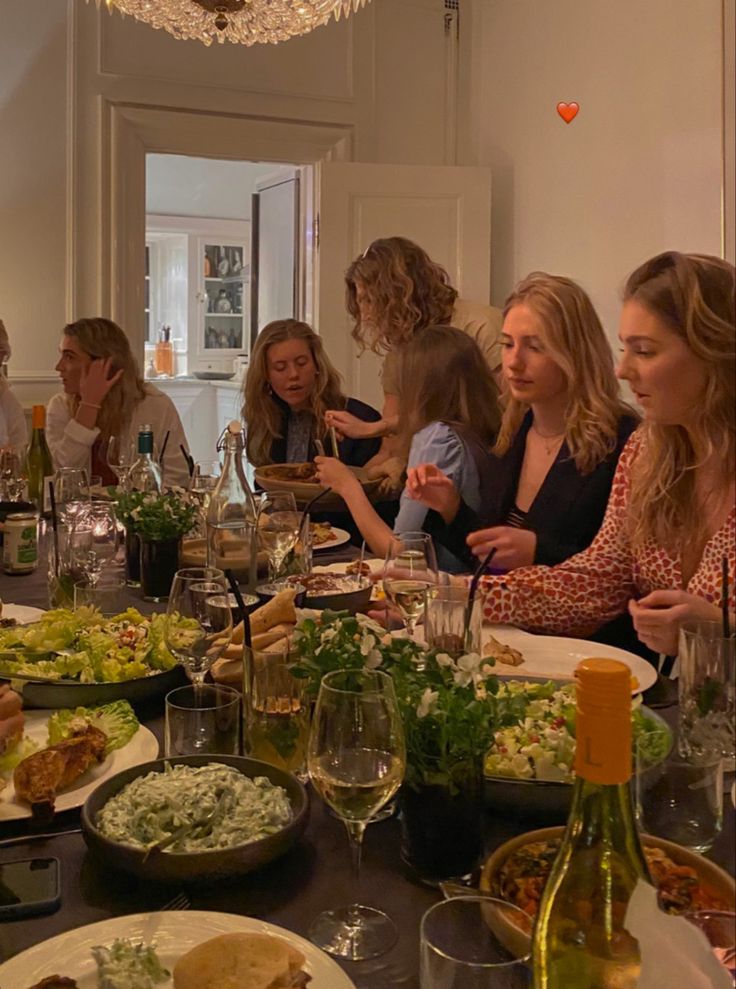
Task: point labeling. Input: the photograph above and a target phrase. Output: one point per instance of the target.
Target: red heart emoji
(568, 111)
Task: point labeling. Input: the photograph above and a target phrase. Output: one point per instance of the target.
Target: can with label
(20, 545)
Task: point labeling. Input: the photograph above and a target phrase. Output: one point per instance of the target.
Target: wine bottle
(579, 939)
(40, 464)
(232, 516)
(144, 474)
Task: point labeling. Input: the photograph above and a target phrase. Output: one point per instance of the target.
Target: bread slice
(240, 961)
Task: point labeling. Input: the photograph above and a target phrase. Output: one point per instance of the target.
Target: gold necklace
(549, 442)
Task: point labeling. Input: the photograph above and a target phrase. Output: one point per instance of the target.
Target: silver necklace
(549, 442)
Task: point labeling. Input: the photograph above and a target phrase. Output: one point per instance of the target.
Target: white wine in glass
(356, 760)
(410, 575)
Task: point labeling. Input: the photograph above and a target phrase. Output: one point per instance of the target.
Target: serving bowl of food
(195, 818)
(529, 767)
(301, 480)
(336, 591)
(518, 870)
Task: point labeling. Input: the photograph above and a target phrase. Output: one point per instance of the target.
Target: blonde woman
(393, 291)
(451, 418)
(671, 516)
(288, 388)
(562, 432)
(13, 429)
(104, 395)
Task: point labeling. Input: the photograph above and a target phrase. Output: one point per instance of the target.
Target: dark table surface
(315, 875)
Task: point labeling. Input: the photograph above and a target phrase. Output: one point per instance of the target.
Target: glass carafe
(232, 516)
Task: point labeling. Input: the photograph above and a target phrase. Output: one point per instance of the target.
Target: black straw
(188, 457)
(54, 526)
(163, 448)
(480, 570)
(244, 616)
(724, 598)
(317, 497)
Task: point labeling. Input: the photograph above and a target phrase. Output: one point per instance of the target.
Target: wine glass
(356, 759)
(203, 482)
(199, 623)
(120, 453)
(71, 488)
(278, 528)
(13, 473)
(410, 573)
(101, 548)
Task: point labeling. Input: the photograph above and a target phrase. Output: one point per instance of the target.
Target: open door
(275, 254)
(445, 209)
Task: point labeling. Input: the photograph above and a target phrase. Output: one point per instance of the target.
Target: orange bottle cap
(38, 417)
(603, 721)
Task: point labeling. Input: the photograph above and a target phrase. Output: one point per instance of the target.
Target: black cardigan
(565, 515)
(355, 453)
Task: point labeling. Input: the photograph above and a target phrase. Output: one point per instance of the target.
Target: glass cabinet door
(224, 299)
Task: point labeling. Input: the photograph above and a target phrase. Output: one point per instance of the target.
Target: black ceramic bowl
(187, 867)
(69, 693)
(352, 596)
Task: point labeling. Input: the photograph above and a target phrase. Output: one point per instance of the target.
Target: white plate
(174, 933)
(341, 537)
(375, 565)
(22, 613)
(555, 658)
(143, 747)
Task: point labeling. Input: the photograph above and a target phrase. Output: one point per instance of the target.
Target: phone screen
(29, 881)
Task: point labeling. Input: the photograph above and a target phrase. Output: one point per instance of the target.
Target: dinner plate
(142, 747)
(556, 658)
(22, 613)
(376, 566)
(341, 537)
(173, 932)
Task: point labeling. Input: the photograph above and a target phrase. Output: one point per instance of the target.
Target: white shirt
(71, 443)
(13, 429)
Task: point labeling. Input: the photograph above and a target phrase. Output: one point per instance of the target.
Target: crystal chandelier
(245, 22)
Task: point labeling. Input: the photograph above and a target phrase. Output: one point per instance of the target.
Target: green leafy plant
(156, 517)
(449, 707)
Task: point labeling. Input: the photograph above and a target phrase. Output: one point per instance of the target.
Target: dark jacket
(566, 513)
(355, 453)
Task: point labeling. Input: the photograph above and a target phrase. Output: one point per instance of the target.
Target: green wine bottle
(579, 940)
(40, 464)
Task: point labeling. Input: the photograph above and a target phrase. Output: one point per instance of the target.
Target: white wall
(638, 171)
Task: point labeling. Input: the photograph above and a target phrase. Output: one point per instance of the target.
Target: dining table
(315, 875)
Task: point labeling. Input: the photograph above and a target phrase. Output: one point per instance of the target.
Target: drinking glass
(467, 942)
(65, 557)
(444, 622)
(356, 759)
(120, 453)
(679, 798)
(71, 488)
(203, 482)
(278, 528)
(410, 575)
(94, 554)
(202, 719)
(13, 474)
(707, 691)
(107, 598)
(199, 594)
(276, 711)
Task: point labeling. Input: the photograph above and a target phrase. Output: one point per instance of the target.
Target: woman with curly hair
(671, 517)
(288, 388)
(104, 395)
(393, 291)
(563, 429)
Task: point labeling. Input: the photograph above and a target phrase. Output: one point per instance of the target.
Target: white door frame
(129, 132)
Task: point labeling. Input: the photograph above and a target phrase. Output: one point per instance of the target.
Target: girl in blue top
(449, 417)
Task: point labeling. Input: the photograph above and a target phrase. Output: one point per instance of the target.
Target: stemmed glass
(100, 548)
(71, 488)
(13, 473)
(356, 760)
(199, 623)
(278, 528)
(120, 453)
(204, 480)
(410, 574)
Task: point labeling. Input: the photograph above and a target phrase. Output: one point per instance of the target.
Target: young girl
(450, 417)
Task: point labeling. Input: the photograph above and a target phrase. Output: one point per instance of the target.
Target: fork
(180, 902)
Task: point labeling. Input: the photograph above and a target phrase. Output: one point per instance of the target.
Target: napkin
(674, 953)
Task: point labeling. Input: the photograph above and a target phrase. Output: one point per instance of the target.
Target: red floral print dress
(593, 587)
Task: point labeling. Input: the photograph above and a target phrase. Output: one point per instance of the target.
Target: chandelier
(245, 22)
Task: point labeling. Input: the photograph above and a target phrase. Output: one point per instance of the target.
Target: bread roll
(280, 609)
(239, 961)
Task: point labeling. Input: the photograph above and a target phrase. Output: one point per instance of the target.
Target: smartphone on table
(29, 887)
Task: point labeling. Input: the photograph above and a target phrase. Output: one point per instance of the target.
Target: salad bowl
(165, 865)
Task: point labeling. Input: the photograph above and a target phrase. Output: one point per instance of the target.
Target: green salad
(541, 745)
(128, 965)
(86, 647)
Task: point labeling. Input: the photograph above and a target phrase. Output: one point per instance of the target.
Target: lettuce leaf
(117, 720)
(17, 753)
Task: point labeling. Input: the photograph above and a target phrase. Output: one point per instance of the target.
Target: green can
(20, 543)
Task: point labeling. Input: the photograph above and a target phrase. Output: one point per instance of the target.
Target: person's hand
(334, 474)
(429, 485)
(349, 425)
(11, 715)
(657, 617)
(97, 380)
(391, 472)
(514, 547)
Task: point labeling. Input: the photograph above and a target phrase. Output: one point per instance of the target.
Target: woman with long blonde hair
(562, 431)
(670, 526)
(105, 396)
(289, 386)
(451, 418)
